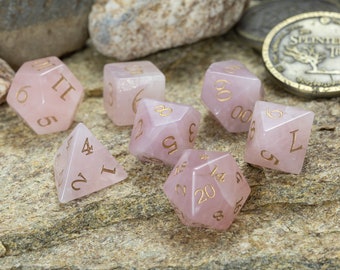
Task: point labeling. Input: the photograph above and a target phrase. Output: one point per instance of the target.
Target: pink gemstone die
(125, 84)
(207, 189)
(163, 130)
(83, 165)
(278, 137)
(230, 91)
(45, 94)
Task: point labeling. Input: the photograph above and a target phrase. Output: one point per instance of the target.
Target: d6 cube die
(163, 130)
(125, 84)
(278, 137)
(83, 165)
(207, 189)
(230, 91)
(46, 94)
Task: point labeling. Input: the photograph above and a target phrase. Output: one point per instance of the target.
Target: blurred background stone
(131, 29)
(35, 29)
(6, 77)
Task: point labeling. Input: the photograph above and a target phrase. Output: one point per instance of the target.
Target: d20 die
(278, 137)
(45, 94)
(207, 189)
(230, 91)
(125, 84)
(83, 165)
(163, 130)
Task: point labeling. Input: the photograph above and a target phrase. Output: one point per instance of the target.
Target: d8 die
(207, 189)
(162, 130)
(125, 84)
(45, 94)
(83, 165)
(230, 91)
(278, 137)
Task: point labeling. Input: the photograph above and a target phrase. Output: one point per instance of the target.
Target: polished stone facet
(230, 91)
(46, 94)
(163, 130)
(83, 165)
(278, 137)
(125, 84)
(207, 189)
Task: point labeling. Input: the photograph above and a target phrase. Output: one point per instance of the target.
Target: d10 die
(207, 189)
(278, 137)
(163, 130)
(125, 84)
(230, 91)
(45, 94)
(83, 165)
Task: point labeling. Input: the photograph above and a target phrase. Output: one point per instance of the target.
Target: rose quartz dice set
(206, 188)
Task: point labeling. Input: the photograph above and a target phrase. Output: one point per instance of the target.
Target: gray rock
(34, 29)
(6, 77)
(130, 29)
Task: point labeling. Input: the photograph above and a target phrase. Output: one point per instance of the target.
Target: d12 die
(207, 189)
(230, 91)
(125, 84)
(163, 130)
(83, 165)
(278, 137)
(45, 94)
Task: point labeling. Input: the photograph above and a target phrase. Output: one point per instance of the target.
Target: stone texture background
(289, 222)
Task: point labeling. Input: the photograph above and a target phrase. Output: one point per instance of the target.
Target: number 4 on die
(83, 166)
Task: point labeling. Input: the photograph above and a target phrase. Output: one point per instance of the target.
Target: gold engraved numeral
(136, 99)
(82, 180)
(274, 114)
(218, 176)
(191, 132)
(181, 189)
(243, 115)
(46, 121)
(208, 192)
(292, 149)
(271, 157)
(232, 69)
(111, 98)
(42, 64)
(239, 177)
(251, 130)
(69, 143)
(223, 94)
(134, 69)
(204, 157)
(63, 82)
(238, 206)
(87, 147)
(218, 215)
(180, 168)
(163, 110)
(22, 94)
(139, 128)
(151, 159)
(172, 146)
(108, 170)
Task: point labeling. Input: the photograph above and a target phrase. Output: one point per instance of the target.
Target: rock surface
(6, 77)
(35, 29)
(289, 222)
(131, 29)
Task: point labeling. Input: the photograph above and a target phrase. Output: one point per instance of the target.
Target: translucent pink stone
(230, 91)
(207, 189)
(163, 130)
(83, 165)
(45, 94)
(125, 84)
(278, 137)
